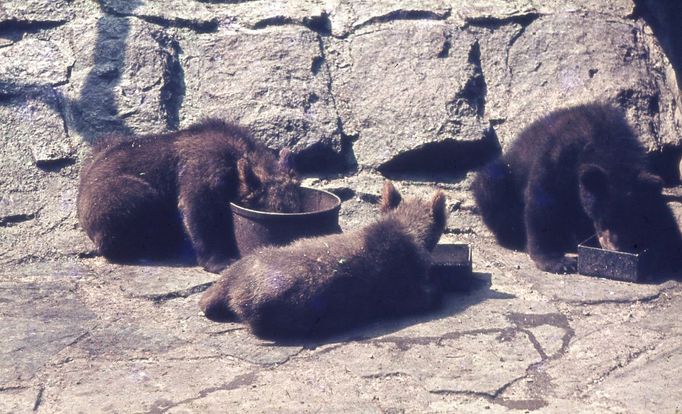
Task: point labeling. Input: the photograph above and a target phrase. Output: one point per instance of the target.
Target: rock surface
(420, 91)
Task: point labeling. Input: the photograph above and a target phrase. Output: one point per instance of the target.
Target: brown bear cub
(143, 198)
(569, 175)
(318, 286)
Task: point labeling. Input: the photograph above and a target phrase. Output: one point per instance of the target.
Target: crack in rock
(383, 375)
(629, 358)
(320, 24)
(319, 157)
(163, 406)
(173, 87)
(492, 397)
(184, 293)
(14, 388)
(39, 398)
(207, 26)
(9, 221)
(622, 301)
(15, 29)
(396, 15)
(490, 22)
(541, 381)
(523, 324)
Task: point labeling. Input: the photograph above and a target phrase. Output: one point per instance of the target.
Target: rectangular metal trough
(451, 267)
(595, 261)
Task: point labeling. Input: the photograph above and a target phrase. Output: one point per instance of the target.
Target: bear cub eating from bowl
(142, 197)
(571, 174)
(317, 286)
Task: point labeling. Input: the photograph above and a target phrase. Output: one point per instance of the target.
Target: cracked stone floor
(82, 335)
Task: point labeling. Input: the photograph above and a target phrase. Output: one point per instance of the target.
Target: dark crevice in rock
(476, 89)
(523, 323)
(405, 15)
(60, 103)
(312, 99)
(56, 164)
(447, 44)
(495, 23)
(620, 301)
(320, 158)
(629, 358)
(198, 26)
(39, 398)
(664, 17)
(8, 221)
(469, 102)
(240, 381)
(15, 388)
(321, 24)
(210, 26)
(274, 21)
(344, 193)
(184, 293)
(14, 30)
(665, 163)
(383, 375)
(448, 157)
(315, 67)
(404, 343)
(221, 332)
(173, 88)
(492, 397)
(526, 321)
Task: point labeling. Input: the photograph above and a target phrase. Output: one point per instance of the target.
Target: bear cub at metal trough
(144, 197)
(318, 286)
(571, 174)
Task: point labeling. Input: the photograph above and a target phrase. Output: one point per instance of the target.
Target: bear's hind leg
(128, 220)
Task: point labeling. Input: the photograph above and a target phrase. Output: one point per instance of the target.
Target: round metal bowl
(253, 228)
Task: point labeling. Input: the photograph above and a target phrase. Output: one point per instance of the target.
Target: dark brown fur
(141, 197)
(573, 173)
(320, 285)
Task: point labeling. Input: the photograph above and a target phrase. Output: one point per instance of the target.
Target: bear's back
(592, 133)
(331, 280)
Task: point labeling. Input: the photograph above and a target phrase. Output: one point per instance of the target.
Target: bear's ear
(246, 174)
(390, 197)
(650, 182)
(594, 179)
(286, 160)
(438, 207)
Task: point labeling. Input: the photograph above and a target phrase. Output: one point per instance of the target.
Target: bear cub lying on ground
(317, 286)
(574, 173)
(143, 197)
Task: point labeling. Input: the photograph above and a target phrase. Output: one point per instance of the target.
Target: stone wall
(410, 88)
